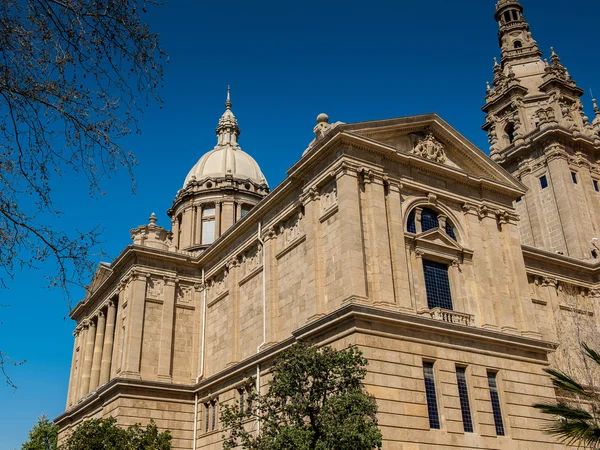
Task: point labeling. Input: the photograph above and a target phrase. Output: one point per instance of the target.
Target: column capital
(170, 280)
(269, 233)
(111, 303)
(100, 314)
(199, 287)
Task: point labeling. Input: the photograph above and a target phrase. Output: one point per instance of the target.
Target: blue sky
(286, 62)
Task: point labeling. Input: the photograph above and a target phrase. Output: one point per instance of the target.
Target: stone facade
(398, 236)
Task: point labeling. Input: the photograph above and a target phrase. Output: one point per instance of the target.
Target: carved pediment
(438, 238)
(431, 138)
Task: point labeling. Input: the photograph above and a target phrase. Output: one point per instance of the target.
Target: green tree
(43, 436)
(576, 420)
(103, 434)
(315, 400)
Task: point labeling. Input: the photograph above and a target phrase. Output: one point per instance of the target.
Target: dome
(227, 158)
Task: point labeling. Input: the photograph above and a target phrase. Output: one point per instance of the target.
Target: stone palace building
(456, 273)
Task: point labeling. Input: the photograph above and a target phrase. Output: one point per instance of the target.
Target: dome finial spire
(228, 102)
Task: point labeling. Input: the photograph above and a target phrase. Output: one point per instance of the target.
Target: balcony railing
(446, 315)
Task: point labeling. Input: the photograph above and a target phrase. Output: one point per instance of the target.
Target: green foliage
(315, 400)
(43, 436)
(576, 422)
(98, 434)
(104, 434)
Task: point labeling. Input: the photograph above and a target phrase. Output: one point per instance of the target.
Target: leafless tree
(75, 76)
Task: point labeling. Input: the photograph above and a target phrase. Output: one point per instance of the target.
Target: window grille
(450, 230)
(437, 285)
(207, 418)
(241, 401)
(411, 225)
(497, 412)
(463, 393)
(429, 219)
(432, 407)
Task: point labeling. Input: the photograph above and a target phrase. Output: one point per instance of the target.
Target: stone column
(133, 343)
(82, 342)
(98, 345)
(270, 270)
(166, 329)
(87, 361)
(234, 294)
(217, 220)
(197, 330)
(109, 336)
(398, 249)
(198, 225)
(175, 230)
(238, 211)
(72, 378)
(486, 315)
(115, 365)
(418, 275)
(351, 236)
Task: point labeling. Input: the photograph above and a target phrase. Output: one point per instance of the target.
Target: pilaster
(314, 275)
(117, 356)
(166, 329)
(351, 235)
(270, 270)
(133, 344)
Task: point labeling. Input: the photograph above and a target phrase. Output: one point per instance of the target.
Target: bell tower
(538, 131)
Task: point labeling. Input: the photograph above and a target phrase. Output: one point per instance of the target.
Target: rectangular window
(596, 187)
(543, 182)
(432, 408)
(207, 414)
(437, 285)
(463, 393)
(497, 412)
(574, 177)
(208, 224)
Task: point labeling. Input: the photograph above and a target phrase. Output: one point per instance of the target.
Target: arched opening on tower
(518, 44)
(510, 132)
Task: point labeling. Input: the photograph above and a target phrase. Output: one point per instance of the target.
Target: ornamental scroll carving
(155, 287)
(292, 228)
(220, 284)
(429, 147)
(329, 197)
(251, 260)
(185, 294)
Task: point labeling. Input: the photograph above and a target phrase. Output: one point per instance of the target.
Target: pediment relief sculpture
(429, 147)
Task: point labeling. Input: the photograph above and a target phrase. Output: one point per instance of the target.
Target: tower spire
(228, 101)
(514, 35)
(228, 129)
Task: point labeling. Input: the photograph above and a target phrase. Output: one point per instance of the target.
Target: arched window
(510, 132)
(429, 220)
(518, 44)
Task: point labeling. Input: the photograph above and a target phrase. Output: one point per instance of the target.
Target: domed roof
(227, 158)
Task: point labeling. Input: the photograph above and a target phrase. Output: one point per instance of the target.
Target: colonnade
(92, 353)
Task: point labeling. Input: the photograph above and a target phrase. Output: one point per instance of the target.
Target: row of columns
(93, 353)
(187, 228)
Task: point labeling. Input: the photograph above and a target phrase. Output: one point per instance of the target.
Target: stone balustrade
(447, 315)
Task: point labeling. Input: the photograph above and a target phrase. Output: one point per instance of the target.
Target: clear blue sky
(286, 62)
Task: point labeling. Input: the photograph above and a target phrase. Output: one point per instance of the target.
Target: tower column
(108, 343)
(74, 365)
(98, 344)
(217, 219)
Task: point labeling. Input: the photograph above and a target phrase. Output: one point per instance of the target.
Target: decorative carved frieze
(184, 294)
(329, 197)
